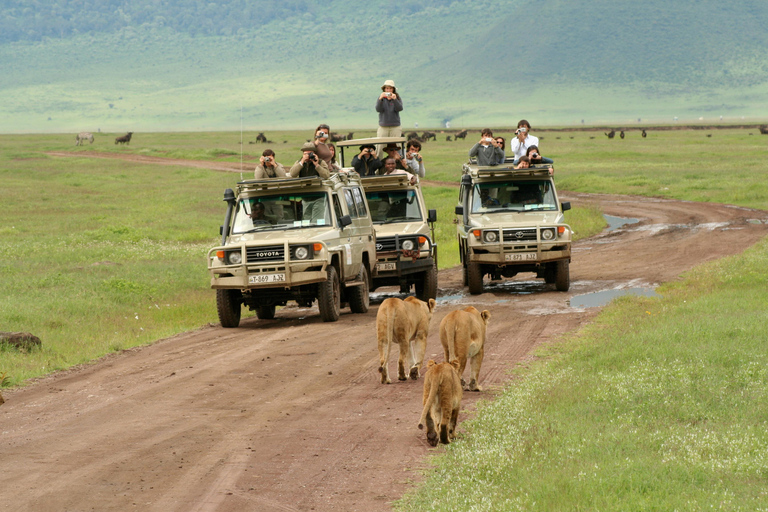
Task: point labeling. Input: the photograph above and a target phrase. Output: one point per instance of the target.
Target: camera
(321, 135)
(267, 159)
(521, 130)
(488, 139)
(534, 155)
(313, 157)
(388, 94)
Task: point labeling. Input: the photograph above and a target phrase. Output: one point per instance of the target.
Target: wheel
(265, 312)
(465, 279)
(474, 278)
(426, 288)
(359, 300)
(228, 304)
(329, 296)
(562, 276)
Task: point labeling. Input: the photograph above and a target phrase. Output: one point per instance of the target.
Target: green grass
(660, 404)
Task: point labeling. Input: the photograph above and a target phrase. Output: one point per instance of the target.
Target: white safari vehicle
(511, 221)
(300, 239)
(406, 252)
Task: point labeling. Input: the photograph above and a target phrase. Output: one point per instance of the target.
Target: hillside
(171, 65)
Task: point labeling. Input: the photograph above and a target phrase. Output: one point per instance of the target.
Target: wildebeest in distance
(124, 139)
(81, 137)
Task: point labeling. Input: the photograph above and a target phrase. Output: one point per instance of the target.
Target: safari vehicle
(406, 254)
(296, 239)
(510, 221)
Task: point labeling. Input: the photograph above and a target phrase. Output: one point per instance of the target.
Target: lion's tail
(430, 399)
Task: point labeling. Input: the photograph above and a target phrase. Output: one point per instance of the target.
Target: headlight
(234, 257)
(408, 245)
(490, 236)
(301, 253)
(548, 234)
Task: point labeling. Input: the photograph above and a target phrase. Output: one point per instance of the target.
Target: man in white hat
(389, 106)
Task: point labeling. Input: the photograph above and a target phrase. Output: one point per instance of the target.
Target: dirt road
(288, 414)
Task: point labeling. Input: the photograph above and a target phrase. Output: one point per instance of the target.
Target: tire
(562, 276)
(329, 296)
(265, 312)
(229, 304)
(359, 298)
(426, 288)
(474, 278)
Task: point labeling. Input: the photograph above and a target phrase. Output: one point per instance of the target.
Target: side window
(359, 202)
(350, 203)
(337, 207)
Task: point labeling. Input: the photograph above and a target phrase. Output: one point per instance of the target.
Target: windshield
(285, 211)
(394, 206)
(518, 196)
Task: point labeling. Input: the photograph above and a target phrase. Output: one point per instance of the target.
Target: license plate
(266, 278)
(521, 256)
(386, 266)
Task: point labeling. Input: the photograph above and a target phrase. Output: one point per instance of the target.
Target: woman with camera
(523, 139)
(389, 105)
(533, 154)
(268, 167)
(309, 164)
(322, 133)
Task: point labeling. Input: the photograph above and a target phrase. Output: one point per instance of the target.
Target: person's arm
(379, 105)
(259, 173)
(296, 169)
(398, 104)
(322, 169)
(475, 149)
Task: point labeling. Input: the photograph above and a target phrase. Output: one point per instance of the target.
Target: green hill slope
(175, 65)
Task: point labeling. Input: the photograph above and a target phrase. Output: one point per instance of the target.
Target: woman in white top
(523, 139)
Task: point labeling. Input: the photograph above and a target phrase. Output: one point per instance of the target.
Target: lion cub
(442, 398)
(462, 333)
(405, 322)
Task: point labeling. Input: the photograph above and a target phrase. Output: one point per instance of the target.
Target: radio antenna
(241, 138)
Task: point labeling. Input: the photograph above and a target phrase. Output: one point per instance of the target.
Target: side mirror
(432, 216)
(566, 205)
(459, 210)
(345, 221)
(221, 230)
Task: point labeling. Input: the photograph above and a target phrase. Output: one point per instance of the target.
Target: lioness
(462, 333)
(442, 398)
(405, 322)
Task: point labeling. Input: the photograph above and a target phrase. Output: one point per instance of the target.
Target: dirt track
(288, 414)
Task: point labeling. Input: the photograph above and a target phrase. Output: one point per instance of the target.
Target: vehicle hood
(516, 218)
(292, 235)
(401, 228)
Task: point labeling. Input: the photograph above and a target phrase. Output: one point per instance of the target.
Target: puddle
(617, 222)
(597, 299)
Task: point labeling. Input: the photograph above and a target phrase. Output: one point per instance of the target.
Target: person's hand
(383, 96)
(521, 135)
(304, 158)
(413, 180)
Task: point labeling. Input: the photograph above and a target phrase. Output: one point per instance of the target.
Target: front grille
(519, 235)
(267, 253)
(387, 244)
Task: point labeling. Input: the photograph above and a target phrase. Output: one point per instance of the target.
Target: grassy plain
(660, 404)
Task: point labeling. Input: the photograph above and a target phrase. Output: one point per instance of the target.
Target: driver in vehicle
(257, 214)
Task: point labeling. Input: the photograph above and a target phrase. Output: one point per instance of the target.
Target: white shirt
(520, 148)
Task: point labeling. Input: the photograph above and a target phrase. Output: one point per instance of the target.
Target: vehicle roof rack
(349, 176)
(498, 171)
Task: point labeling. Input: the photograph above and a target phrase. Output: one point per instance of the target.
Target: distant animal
(428, 136)
(709, 135)
(350, 136)
(570, 137)
(261, 137)
(763, 129)
(462, 334)
(412, 135)
(591, 137)
(405, 322)
(460, 135)
(442, 401)
(644, 134)
(448, 138)
(558, 138)
(611, 134)
(125, 139)
(621, 134)
(335, 137)
(81, 137)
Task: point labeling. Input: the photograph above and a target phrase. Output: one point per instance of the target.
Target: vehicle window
(337, 207)
(359, 202)
(284, 211)
(394, 206)
(513, 196)
(350, 203)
